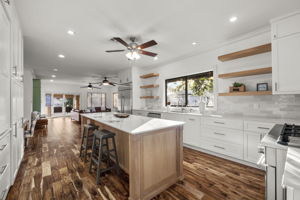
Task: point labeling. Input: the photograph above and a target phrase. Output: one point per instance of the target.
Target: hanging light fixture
(133, 55)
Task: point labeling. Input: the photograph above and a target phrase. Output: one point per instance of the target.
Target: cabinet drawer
(4, 182)
(226, 135)
(225, 123)
(258, 127)
(286, 26)
(4, 147)
(226, 148)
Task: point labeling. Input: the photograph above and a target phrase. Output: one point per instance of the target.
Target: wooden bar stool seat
(103, 149)
(87, 140)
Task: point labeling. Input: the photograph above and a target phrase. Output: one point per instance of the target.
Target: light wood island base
(153, 159)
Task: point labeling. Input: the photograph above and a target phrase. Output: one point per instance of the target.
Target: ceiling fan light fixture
(133, 55)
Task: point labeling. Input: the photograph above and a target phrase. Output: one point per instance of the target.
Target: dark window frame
(185, 79)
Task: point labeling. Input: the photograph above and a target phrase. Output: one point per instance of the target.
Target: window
(115, 100)
(190, 90)
(96, 100)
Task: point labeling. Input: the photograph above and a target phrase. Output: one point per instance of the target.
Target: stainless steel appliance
(273, 159)
(290, 135)
(154, 115)
(125, 98)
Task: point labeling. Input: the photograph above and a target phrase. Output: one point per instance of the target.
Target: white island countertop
(133, 124)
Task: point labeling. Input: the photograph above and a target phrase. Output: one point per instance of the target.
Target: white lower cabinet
(192, 130)
(251, 143)
(253, 134)
(4, 164)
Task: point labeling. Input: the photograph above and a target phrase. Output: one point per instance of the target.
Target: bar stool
(87, 140)
(101, 152)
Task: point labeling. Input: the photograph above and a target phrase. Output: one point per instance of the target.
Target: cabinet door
(251, 143)
(286, 54)
(191, 131)
(5, 43)
(286, 26)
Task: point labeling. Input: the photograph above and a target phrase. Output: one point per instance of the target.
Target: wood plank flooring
(52, 169)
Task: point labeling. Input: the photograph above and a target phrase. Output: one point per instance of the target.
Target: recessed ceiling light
(233, 19)
(55, 69)
(61, 56)
(53, 76)
(155, 58)
(70, 32)
(194, 43)
(51, 80)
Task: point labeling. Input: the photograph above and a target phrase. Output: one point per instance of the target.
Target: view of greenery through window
(190, 90)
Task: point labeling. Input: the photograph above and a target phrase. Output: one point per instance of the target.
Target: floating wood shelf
(149, 75)
(249, 93)
(266, 70)
(149, 86)
(149, 97)
(247, 52)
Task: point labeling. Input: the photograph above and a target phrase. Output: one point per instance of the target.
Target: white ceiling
(173, 24)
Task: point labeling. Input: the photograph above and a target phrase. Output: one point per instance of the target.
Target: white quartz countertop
(267, 119)
(133, 124)
(291, 176)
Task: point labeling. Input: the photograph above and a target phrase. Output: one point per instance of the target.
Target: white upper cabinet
(125, 76)
(17, 49)
(286, 54)
(5, 43)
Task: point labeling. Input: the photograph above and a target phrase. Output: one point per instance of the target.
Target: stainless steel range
(273, 159)
(290, 135)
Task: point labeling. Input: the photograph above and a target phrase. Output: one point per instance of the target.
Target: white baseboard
(224, 156)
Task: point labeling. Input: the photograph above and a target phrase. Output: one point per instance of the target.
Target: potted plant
(237, 87)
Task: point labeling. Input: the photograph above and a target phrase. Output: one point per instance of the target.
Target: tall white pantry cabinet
(11, 96)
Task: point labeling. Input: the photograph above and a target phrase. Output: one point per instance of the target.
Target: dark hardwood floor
(51, 169)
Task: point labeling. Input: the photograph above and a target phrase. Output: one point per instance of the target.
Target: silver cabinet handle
(3, 147)
(191, 119)
(2, 169)
(219, 147)
(216, 133)
(264, 128)
(218, 122)
(276, 86)
(15, 70)
(2, 194)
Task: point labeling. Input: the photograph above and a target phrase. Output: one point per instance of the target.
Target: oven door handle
(261, 161)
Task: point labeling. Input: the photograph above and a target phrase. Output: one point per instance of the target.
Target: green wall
(36, 104)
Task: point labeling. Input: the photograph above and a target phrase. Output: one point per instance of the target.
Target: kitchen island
(150, 150)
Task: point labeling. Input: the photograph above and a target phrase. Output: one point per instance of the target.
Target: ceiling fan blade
(96, 87)
(147, 44)
(148, 53)
(120, 41)
(111, 51)
(110, 83)
(84, 87)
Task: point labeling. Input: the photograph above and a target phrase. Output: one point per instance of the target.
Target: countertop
(267, 119)
(133, 124)
(291, 175)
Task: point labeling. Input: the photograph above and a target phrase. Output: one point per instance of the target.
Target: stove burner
(290, 135)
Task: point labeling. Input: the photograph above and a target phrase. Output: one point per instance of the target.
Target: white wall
(57, 87)
(276, 105)
(28, 92)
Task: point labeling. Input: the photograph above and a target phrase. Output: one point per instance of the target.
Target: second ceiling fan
(134, 49)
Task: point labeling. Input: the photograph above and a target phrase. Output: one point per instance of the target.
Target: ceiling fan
(90, 86)
(106, 82)
(134, 49)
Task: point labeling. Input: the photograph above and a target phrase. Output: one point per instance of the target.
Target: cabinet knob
(274, 36)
